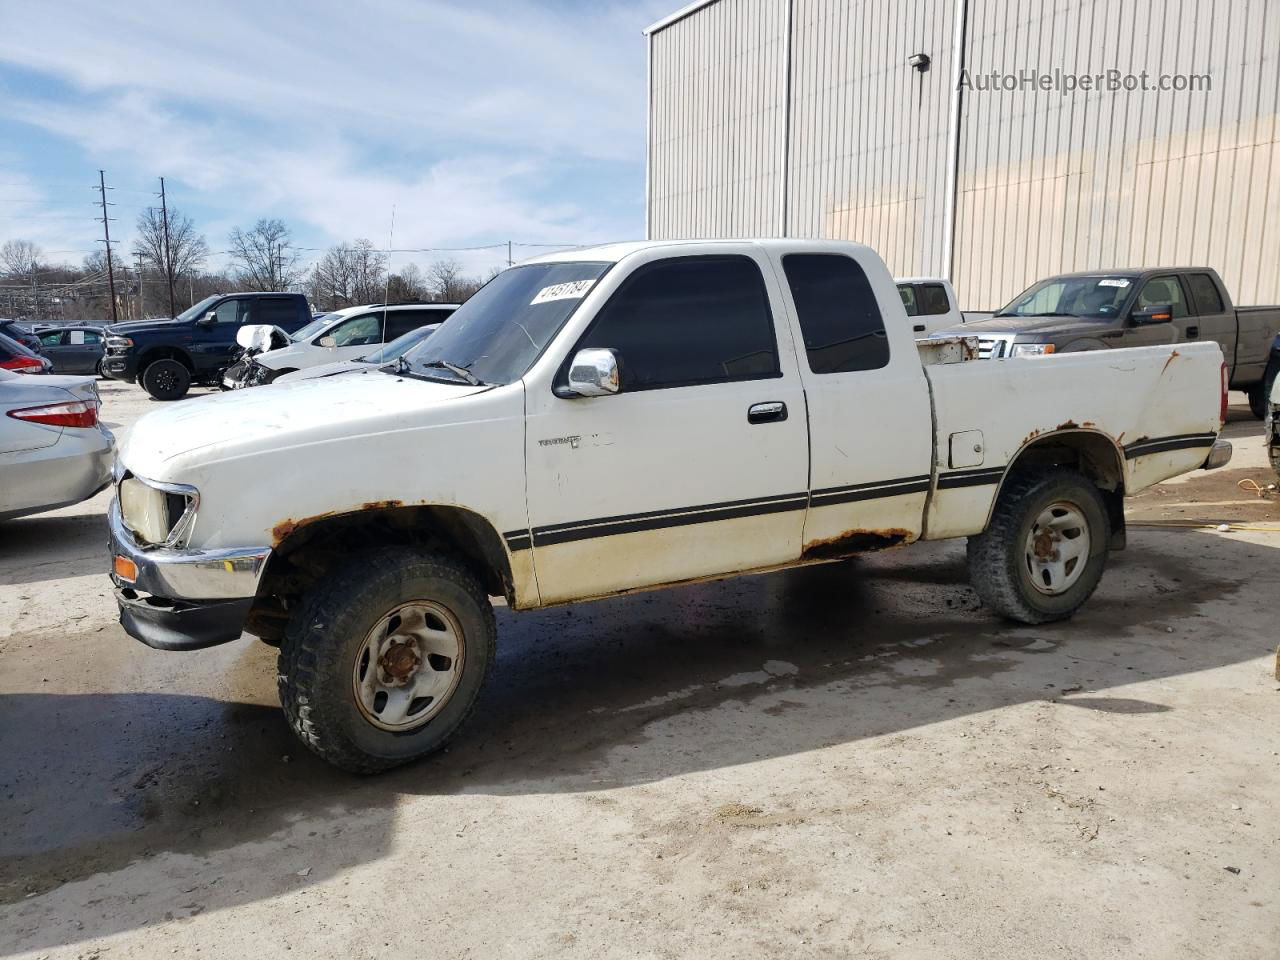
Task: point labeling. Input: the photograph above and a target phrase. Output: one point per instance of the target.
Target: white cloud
(473, 121)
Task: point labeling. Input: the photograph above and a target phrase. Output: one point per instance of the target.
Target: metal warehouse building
(819, 118)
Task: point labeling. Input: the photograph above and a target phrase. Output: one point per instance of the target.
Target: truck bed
(1153, 411)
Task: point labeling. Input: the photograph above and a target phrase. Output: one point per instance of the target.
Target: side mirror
(208, 320)
(327, 342)
(594, 373)
(1158, 313)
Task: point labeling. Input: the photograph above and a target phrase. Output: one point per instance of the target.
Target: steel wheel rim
(408, 666)
(1057, 548)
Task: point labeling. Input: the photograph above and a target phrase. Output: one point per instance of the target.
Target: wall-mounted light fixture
(920, 61)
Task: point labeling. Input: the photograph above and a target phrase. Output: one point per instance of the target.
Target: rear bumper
(73, 469)
(183, 599)
(1219, 455)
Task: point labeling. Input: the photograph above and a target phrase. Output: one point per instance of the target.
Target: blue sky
(480, 122)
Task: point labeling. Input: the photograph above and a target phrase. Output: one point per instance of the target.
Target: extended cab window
(689, 320)
(1159, 291)
(838, 313)
(1205, 293)
(273, 310)
(933, 299)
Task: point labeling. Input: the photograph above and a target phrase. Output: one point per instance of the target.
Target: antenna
(386, 289)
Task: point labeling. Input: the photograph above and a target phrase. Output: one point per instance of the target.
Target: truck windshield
(198, 310)
(1096, 296)
(497, 334)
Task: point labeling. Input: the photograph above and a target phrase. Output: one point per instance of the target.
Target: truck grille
(991, 348)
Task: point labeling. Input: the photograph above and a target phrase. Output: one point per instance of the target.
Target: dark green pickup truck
(1098, 309)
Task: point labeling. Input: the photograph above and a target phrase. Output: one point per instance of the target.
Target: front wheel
(1044, 551)
(385, 657)
(166, 379)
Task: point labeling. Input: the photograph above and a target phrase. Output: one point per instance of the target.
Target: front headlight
(159, 513)
(1031, 349)
(119, 343)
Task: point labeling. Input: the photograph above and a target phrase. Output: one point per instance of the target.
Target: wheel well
(164, 353)
(1091, 453)
(306, 550)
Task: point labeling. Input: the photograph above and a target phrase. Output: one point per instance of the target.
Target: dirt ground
(849, 760)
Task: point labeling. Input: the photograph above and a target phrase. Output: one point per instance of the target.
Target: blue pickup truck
(166, 356)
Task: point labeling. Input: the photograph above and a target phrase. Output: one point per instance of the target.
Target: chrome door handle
(773, 411)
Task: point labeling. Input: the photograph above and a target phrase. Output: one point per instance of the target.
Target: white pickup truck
(617, 419)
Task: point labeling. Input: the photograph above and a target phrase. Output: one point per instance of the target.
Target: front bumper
(183, 599)
(120, 366)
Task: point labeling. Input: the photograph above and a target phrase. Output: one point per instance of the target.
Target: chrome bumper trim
(1219, 455)
(225, 574)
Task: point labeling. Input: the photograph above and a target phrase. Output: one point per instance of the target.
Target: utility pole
(141, 299)
(168, 257)
(106, 233)
(509, 260)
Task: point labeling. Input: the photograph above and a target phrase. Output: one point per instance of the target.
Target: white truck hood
(205, 430)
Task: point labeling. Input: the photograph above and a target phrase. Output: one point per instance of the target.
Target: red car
(14, 356)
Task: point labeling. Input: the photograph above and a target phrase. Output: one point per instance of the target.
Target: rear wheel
(385, 658)
(1044, 551)
(1258, 394)
(166, 379)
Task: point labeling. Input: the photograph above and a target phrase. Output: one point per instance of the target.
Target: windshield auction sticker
(1117, 282)
(573, 290)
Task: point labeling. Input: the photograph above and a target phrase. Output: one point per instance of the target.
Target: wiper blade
(462, 372)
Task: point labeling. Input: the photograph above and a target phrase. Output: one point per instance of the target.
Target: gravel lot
(849, 760)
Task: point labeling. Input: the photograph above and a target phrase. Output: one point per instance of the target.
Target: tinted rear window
(838, 312)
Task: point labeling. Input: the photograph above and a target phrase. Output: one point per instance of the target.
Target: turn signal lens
(125, 569)
(77, 413)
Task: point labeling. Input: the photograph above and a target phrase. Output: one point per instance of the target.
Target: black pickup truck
(166, 356)
(1132, 308)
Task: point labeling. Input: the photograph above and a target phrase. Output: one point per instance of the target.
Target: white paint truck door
(699, 465)
(870, 424)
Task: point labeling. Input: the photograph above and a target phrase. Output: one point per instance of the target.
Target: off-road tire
(166, 379)
(997, 556)
(327, 630)
(1258, 394)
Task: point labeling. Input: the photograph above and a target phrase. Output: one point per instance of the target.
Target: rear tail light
(1222, 409)
(77, 413)
(22, 364)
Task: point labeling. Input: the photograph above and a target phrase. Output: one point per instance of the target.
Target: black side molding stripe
(971, 478)
(1182, 441)
(518, 540)
(869, 491)
(545, 537)
(652, 514)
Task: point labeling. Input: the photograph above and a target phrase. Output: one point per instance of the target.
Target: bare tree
(21, 258)
(188, 250)
(407, 285)
(448, 283)
(348, 274)
(264, 257)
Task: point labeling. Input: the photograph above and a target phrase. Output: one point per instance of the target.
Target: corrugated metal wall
(857, 169)
(1046, 182)
(716, 122)
(1050, 183)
